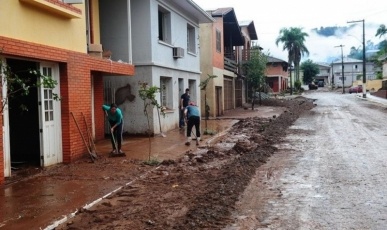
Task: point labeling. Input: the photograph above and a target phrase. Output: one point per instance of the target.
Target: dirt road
(200, 190)
(330, 173)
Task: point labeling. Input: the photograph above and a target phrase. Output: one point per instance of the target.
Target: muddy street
(329, 173)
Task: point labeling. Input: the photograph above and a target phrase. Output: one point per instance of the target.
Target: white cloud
(269, 19)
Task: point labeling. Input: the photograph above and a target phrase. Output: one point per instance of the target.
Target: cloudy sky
(270, 18)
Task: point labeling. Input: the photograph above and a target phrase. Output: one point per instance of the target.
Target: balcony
(230, 65)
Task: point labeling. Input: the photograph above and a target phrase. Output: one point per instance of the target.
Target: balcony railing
(230, 65)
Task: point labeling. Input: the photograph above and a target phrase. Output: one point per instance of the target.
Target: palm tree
(382, 30)
(293, 41)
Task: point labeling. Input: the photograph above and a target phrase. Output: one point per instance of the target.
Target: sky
(270, 18)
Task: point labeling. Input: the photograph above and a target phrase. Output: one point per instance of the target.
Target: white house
(353, 70)
(165, 51)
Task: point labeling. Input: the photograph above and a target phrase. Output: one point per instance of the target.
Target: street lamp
(342, 66)
(364, 59)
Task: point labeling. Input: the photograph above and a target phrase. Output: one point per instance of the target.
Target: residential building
(242, 89)
(166, 53)
(277, 74)
(325, 73)
(218, 40)
(64, 41)
(353, 71)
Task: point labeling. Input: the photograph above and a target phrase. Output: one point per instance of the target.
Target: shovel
(91, 141)
(93, 156)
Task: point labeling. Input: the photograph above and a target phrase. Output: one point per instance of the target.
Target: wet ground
(261, 171)
(54, 194)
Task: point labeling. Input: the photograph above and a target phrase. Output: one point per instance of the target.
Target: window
(191, 42)
(164, 25)
(218, 41)
(166, 92)
(48, 99)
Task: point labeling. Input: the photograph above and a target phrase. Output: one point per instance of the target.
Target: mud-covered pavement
(200, 190)
(328, 173)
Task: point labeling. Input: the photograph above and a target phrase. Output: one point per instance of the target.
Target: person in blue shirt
(192, 114)
(116, 122)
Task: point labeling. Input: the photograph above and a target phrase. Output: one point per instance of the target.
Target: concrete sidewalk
(372, 98)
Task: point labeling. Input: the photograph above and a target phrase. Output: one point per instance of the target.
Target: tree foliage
(20, 86)
(255, 70)
(381, 31)
(293, 40)
(148, 95)
(310, 70)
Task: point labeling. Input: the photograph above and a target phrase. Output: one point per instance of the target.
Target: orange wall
(276, 70)
(218, 58)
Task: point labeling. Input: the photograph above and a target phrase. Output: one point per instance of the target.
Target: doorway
(32, 121)
(23, 112)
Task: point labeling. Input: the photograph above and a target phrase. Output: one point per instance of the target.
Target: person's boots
(188, 142)
(197, 140)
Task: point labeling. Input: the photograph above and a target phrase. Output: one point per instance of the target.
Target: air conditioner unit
(178, 52)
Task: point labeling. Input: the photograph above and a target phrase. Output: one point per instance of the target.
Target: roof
(193, 9)
(232, 30)
(323, 64)
(347, 60)
(273, 60)
(250, 27)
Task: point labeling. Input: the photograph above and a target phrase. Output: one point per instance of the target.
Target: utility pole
(364, 59)
(342, 66)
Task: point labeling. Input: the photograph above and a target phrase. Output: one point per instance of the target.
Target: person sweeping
(192, 114)
(116, 122)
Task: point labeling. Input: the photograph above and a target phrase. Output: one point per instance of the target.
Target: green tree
(20, 86)
(377, 60)
(310, 70)
(255, 70)
(148, 95)
(293, 40)
(381, 31)
(203, 86)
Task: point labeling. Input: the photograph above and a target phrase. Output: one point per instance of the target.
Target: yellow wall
(23, 21)
(372, 85)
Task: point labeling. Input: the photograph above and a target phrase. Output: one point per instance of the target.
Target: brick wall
(76, 72)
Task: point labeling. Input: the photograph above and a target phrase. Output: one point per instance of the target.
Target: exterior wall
(385, 70)
(218, 58)
(38, 35)
(274, 73)
(154, 60)
(206, 64)
(75, 81)
(372, 85)
(215, 66)
(135, 121)
(351, 71)
(115, 30)
(31, 21)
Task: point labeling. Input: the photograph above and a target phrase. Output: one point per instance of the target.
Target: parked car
(356, 89)
(320, 84)
(312, 86)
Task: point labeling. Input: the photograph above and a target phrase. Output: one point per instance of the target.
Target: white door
(6, 143)
(50, 119)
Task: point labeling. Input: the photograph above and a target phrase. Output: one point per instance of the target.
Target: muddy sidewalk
(54, 194)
